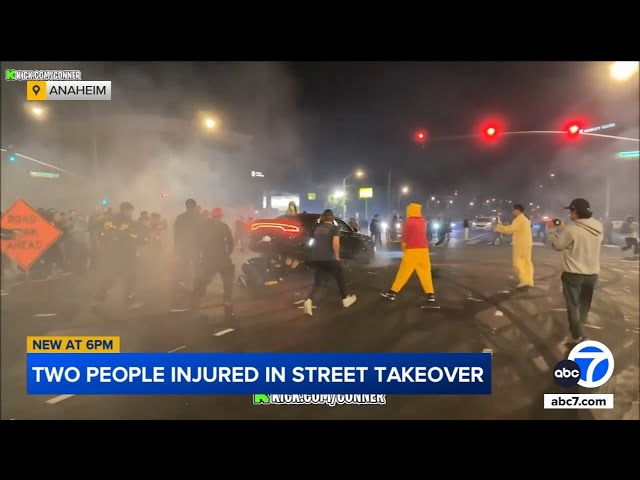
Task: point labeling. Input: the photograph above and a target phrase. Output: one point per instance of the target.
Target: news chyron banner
(43, 85)
(96, 366)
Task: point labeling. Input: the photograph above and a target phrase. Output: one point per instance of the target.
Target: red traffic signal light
(490, 132)
(574, 127)
(420, 137)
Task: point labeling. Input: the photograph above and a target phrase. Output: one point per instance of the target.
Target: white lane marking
(58, 399)
(4, 293)
(631, 330)
(596, 327)
(558, 309)
(430, 306)
(487, 350)
(177, 349)
(617, 270)
(505, 291)
(223, 332)
(45, 314)
(176, 310)
(541, 364)
(630, 276)
(303, 307)
(499, 313)
(298, 302)
(473, 299)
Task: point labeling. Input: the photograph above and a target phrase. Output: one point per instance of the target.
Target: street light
(36, 111)
(622, 71)
(402, 191)
(471, 204)
(433, 199)
(338, 193)
(552, 175)
(357, 174)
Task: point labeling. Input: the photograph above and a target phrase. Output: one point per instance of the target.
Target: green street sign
(44, 175)
(261, 399)
(366, 192)
(634, 154)
(311, 196)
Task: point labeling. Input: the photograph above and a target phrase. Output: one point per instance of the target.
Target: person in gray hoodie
(580, 244)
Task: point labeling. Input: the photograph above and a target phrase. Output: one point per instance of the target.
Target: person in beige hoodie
(580, 244)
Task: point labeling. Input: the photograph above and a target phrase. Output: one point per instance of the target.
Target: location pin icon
(36, 89)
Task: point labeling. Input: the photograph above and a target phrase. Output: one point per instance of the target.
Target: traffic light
(420, 137)
(490, 129)
(105, 201)
(490, 132)
(573, 128)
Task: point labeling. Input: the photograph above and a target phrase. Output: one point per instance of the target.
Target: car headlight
(436, 226)
(384, 226)
(398, 226)
(453, 225)
(311, 242)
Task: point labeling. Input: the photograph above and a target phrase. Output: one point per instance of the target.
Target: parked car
(291, 235)
(482, 223)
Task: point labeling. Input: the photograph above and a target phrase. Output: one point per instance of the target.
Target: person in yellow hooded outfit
(522, 242)
(416, 255)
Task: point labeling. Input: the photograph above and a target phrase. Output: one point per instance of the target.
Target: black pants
(631, 243)
(377, 238)
(578, 293)
(205, 273)
(324, 272)
(186, 267)
(441, 237)
(115, 267)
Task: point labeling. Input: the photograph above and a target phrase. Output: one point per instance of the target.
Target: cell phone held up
(557, 222)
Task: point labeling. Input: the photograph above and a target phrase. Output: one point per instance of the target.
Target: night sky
(317, 121)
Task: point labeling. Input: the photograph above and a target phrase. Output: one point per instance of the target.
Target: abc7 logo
(590, 365)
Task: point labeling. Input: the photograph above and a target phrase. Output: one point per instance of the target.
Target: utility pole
(389, 190)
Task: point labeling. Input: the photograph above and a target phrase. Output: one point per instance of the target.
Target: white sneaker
(307, 307)
(350, 300)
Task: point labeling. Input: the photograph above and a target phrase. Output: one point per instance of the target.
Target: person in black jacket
(119, 238)
(215, 245)
(185, 244)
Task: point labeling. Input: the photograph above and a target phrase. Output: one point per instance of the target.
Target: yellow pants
(523, 267)
(414, 259)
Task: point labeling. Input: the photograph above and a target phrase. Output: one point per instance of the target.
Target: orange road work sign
(33, 235)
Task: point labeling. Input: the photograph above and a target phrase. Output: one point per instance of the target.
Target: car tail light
(285, 227)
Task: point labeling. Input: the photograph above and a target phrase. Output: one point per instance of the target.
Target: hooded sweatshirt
(580, 244)
(414, 233)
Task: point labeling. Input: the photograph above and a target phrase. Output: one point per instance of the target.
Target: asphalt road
(477, 310)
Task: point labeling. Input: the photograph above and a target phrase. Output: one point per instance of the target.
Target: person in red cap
(215, 243)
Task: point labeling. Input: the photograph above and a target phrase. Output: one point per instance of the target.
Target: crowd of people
(109, 243)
